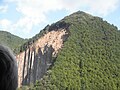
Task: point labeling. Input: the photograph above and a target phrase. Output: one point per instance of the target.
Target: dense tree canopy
(90, 58)
(11, 40)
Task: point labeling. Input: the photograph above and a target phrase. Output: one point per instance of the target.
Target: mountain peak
(88, 55)
(81, 13)
(80, 17)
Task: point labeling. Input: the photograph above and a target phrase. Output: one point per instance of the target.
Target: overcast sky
(25, 18)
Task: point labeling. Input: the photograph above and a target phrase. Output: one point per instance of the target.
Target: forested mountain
(89, 58)
(10, 40)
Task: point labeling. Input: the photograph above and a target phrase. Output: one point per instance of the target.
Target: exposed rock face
(36, 59)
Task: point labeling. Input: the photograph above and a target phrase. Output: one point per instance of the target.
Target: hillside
(10, 40)
(88, 60)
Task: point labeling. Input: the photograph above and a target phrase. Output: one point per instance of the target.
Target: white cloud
(25, 24)
(3, 9)
(38, 8)
(103, 7)
(34, 11)
(32, 15)
(4, 24)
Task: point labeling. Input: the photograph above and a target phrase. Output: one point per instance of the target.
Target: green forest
(11, 40)
(89, 60)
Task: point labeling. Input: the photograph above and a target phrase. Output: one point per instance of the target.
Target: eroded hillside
(37, 57)
(88, 60)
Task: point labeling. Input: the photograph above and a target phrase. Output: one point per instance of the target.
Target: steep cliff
(89, 59)
(37, 57)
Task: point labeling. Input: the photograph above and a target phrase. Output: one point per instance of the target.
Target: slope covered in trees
(10, 40)
(90, 58)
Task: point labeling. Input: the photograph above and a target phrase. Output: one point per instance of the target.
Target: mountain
(10, 40)
(79, 52)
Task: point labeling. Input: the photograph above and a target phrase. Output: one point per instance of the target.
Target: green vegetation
(90, 58)
(11, 40)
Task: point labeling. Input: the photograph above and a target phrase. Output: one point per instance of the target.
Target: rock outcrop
(37, 57)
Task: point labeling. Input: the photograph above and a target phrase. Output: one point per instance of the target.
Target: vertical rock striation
(37, 57)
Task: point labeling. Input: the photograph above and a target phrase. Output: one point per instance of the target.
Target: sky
(25, 18)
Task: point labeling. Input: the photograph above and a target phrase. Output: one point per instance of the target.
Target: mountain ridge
(10, 40)
(88, 59)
